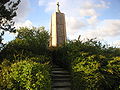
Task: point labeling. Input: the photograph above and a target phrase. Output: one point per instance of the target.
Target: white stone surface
(58, 29)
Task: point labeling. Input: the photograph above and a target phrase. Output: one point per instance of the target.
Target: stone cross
(58, 5)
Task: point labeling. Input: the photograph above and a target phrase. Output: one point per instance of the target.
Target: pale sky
(88, 18)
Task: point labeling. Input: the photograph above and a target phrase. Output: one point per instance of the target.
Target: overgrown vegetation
(93, 66)
(26, 61)
(25, 74)
(29, 42)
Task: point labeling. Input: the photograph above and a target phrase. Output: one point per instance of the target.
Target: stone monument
(57, 28)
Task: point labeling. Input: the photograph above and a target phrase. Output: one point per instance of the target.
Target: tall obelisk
(57, 28)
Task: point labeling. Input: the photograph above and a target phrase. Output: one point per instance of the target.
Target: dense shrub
(93, 66)
(41, 58)
(36, 39)
(29, 42)
(94, 74)
(25, 62)
(25, 74)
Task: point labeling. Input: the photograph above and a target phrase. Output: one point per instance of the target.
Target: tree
(28, 42)
(37, 39)
(7, 13)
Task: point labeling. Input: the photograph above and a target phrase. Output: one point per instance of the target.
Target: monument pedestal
(57, 29)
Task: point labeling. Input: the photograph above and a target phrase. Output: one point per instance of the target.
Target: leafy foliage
(7, 12)
(26, 61)
(35, 38)
(93, 66)
(25, 74)
(29, 42)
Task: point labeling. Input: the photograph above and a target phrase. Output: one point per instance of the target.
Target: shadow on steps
(61, 78)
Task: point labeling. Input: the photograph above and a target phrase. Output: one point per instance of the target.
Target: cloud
(102, 4)
(50, 6)
(82, 18)
(41, 2)
(27, 23)
(92, 20)
(89, 4)
(106, 29)
(88, 12)
(110, 28)
(23, 10)
(74, 24)
(79, 13)
(92, 15)
(116, 43)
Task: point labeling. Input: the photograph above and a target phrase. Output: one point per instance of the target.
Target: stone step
(64, 88)
(61, 80)
(60, 76)
(61, 84)
(57, 69)
(55, 66)
(60, 72)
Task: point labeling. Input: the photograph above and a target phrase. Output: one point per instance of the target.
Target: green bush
(89, 73)
(25, 61)
(41, 59)
(29, 42)
(37, 39)
(93, 66)
(25, 74)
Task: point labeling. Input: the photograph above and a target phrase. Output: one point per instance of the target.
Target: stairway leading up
(61, 79)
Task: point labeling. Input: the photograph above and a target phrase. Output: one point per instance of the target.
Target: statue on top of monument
(58, 5)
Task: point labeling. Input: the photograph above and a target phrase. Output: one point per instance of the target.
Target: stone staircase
(60, 79)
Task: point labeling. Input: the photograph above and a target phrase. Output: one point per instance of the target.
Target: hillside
(27, 61)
